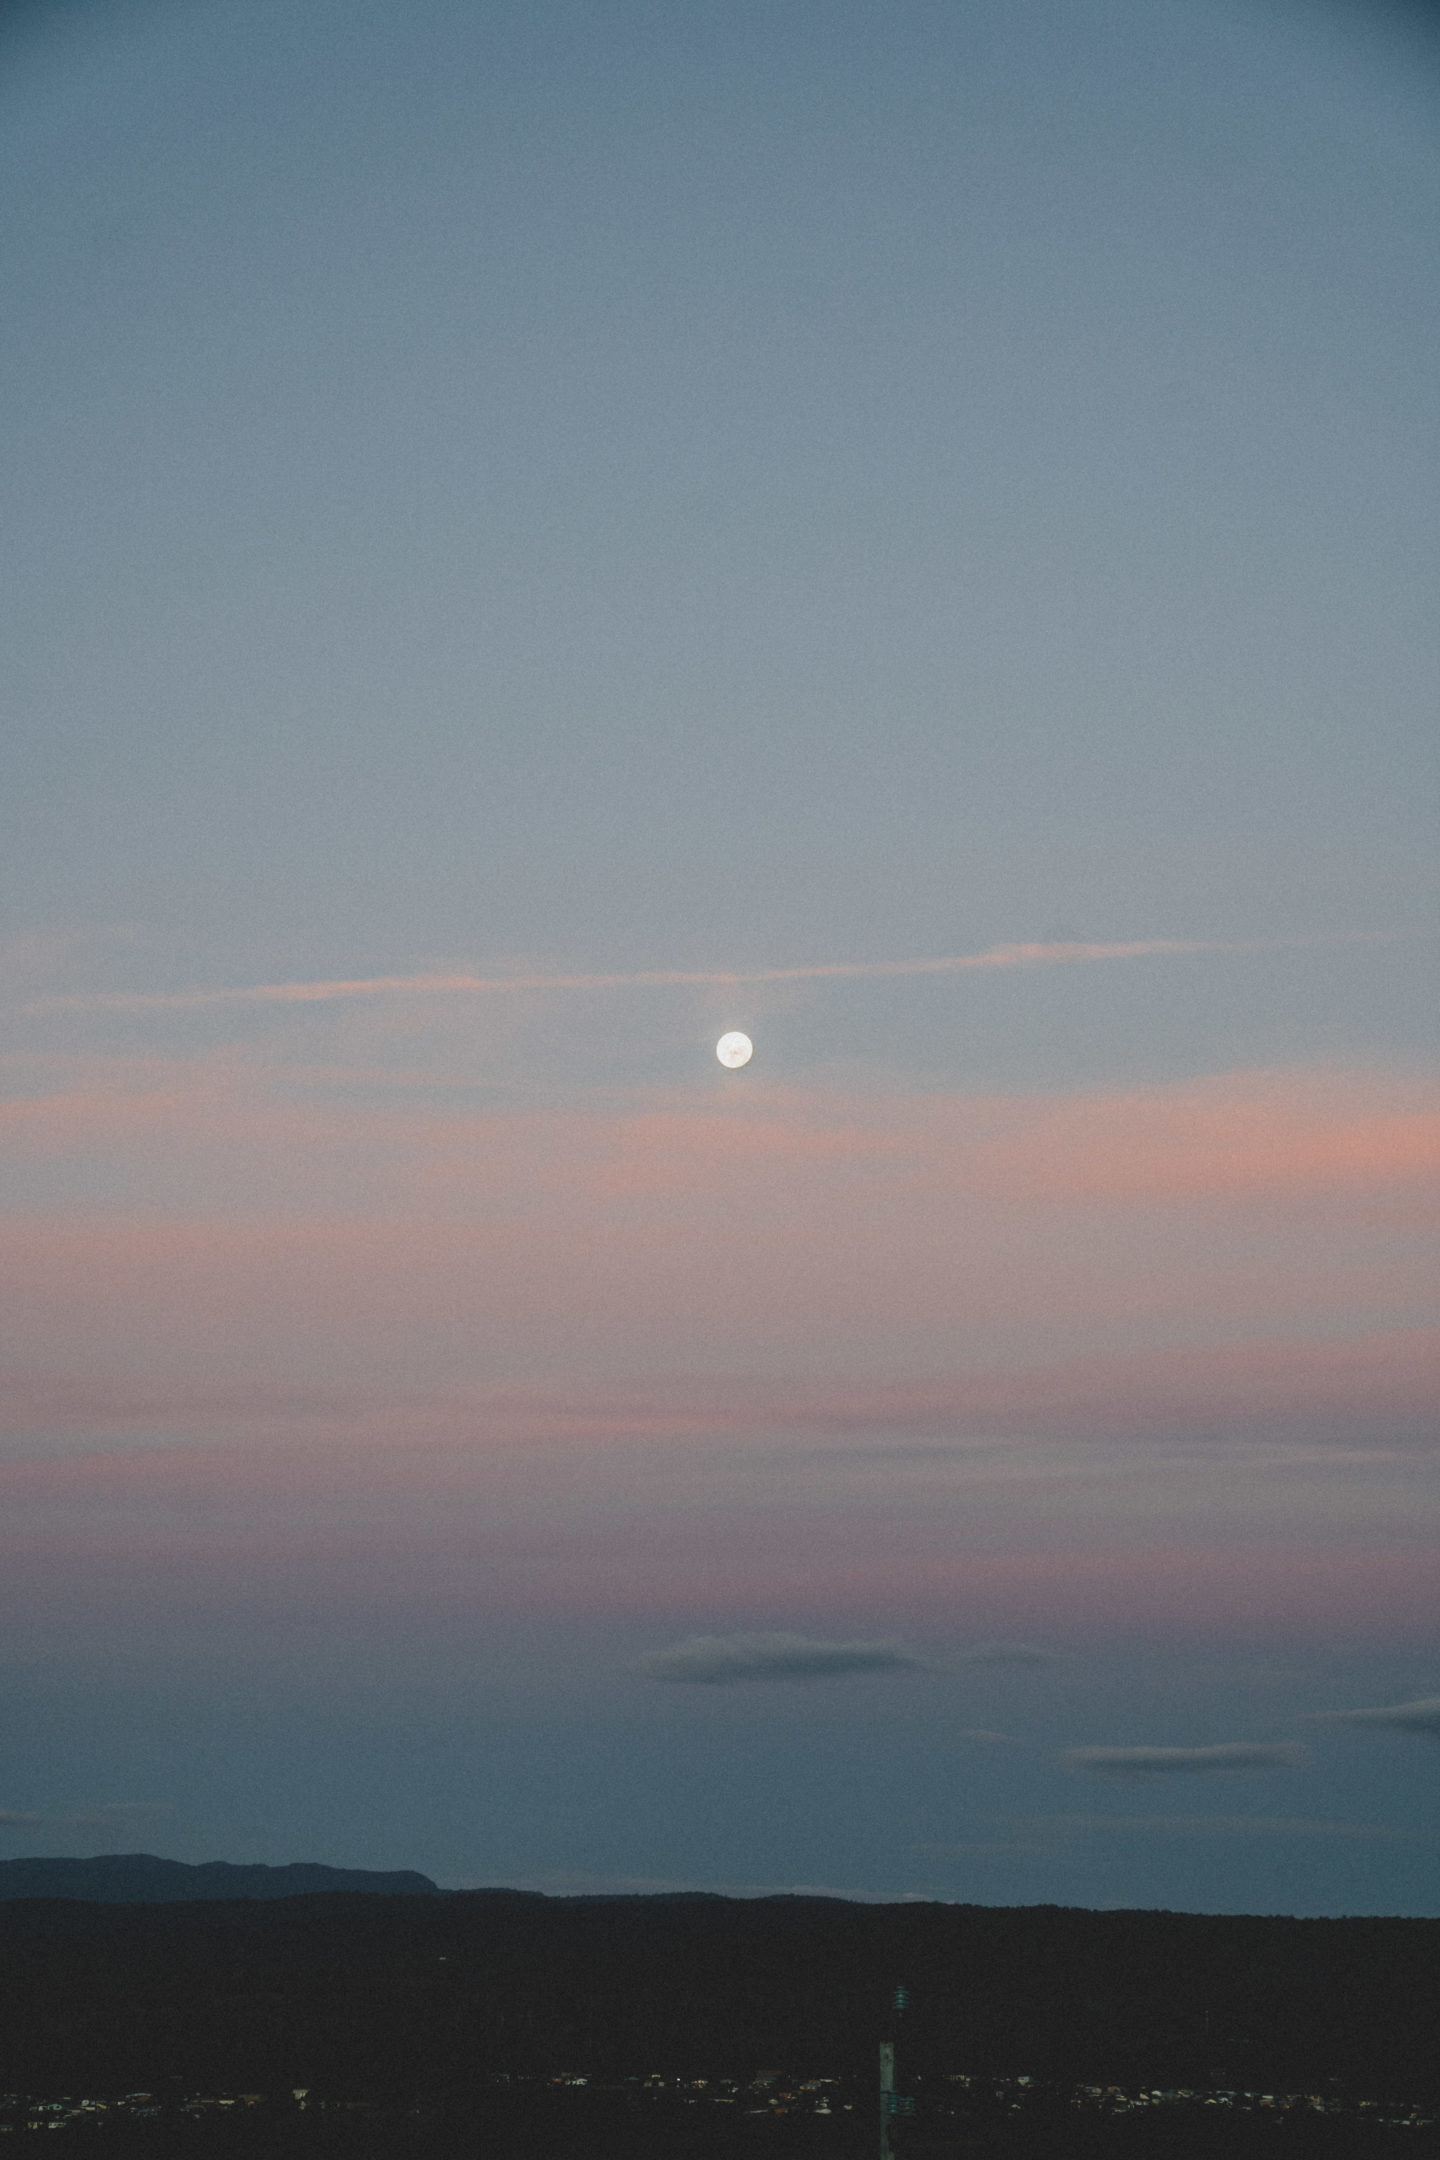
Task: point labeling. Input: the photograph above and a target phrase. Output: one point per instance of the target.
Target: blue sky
(568, 492)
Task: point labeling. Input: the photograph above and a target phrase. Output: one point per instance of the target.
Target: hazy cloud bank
(1226, 1756)
(1047, 1833)
(579, 1882)
(1228, 1826)
(718, 1660)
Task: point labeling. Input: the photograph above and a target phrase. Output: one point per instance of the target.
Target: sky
(535, 536)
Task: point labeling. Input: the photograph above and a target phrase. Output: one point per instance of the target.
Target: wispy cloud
(719, 1660)
(1422, 1716)
(1228, 1756)
(1044, 1833)
(1233, 1826)
(1002, 1653)
(111, 1815)
(462, 983)
(1216, 1394)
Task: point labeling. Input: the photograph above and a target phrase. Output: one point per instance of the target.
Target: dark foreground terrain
(500, 2024)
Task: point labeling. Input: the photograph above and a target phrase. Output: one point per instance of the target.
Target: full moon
(733, 1050)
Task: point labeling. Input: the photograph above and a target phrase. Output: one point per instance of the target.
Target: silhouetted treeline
(429, 1998)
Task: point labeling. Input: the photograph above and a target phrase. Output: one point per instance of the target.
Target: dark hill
(441, 1994)
(142, 1879)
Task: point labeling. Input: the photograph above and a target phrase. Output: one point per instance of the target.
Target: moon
(734, 1050)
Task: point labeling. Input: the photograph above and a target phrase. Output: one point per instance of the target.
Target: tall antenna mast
(891, 2104)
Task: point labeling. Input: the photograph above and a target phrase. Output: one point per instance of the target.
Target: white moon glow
(733, 1050)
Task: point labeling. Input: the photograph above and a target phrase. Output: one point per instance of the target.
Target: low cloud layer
(1422, 1716)
(579, 1882)
(1228, 1756)
(719, 1660)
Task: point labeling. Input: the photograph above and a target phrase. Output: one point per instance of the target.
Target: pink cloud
(217, 1574)
(1270, 1133)
(1307, 1131)
(757, 1502)
(1389, 1380)
(307, 1238)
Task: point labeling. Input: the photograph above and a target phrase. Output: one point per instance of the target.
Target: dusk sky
(536, 533)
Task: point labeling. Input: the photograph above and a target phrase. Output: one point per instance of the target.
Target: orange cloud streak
(463, 983)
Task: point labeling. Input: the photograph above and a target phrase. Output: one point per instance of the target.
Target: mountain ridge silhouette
(146, 1879)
